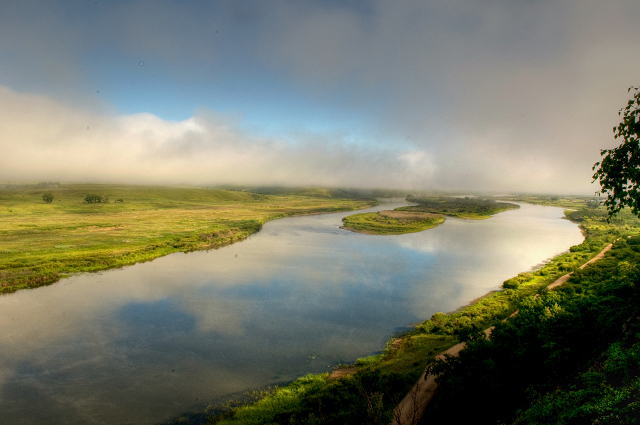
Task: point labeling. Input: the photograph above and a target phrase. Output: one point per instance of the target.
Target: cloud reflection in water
(150, 341)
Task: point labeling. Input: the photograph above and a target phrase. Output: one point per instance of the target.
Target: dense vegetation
(74, 228)
(570, 355)
(474, 208)
(392, 222)
(617, 173)
(370, 395)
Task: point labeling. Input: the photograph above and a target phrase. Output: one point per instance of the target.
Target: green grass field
(470, 208)
(41, 242)
(391, 222)
(428, 214)
(569, 202)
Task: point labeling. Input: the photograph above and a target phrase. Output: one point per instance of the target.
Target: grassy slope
(370, 395)
(40, 242)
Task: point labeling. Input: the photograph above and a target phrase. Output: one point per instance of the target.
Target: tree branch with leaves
(619, 170)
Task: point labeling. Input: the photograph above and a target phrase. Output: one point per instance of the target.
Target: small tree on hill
(619, 170)
(47, 197)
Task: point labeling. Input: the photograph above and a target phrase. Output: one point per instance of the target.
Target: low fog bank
(45, 140)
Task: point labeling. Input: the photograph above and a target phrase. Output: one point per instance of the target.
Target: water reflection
(147, 342)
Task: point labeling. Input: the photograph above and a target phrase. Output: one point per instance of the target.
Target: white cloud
(43, 140)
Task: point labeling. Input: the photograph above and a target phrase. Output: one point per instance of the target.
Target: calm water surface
(151, 341)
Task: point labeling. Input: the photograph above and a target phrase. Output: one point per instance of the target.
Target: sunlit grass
(392, 222)
(469, 208)
(39, 242)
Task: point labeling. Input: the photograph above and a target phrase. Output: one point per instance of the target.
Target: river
(145, 343)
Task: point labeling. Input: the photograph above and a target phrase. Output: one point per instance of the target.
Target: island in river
(430, 212)
(394, 222)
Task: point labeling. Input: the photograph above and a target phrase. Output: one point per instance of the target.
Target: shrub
(47, 197)
(95, 199)
(515, 282)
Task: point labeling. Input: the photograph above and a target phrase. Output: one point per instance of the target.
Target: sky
(473, 95)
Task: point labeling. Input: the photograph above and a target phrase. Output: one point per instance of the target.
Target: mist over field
(487, 95)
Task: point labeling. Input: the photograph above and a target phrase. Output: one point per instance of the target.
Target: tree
(619, 170)
(92, 199)
(47, 197)
(593, 203)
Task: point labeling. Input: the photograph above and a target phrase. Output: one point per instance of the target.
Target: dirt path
(410, 409)
(566, 277)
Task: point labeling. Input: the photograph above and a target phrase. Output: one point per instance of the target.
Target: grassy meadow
(391, 222)
(469, 208)
(569, 202)
(428, 214)
(41, 242)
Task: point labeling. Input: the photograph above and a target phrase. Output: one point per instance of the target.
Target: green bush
(96, 199)
(368, 397)
(515, 282)
(570, 356)
(47, 197)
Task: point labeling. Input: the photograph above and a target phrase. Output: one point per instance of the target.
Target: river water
(148, 342)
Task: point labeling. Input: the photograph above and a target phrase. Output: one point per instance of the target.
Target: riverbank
(570, 355)
(42, 242)
(411, 408)
(374, 385)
